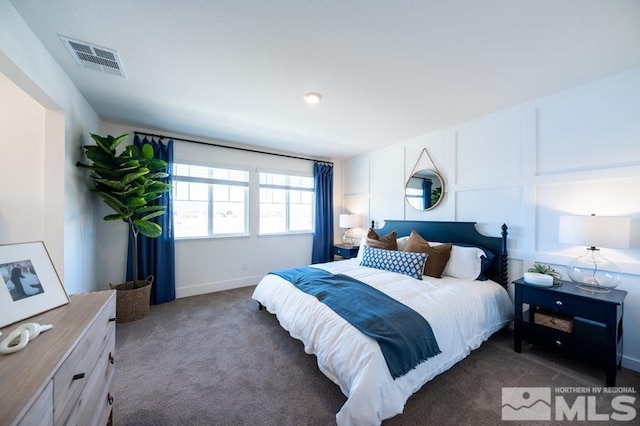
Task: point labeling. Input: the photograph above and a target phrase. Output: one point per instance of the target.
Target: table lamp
(348, 221)
(591, 271)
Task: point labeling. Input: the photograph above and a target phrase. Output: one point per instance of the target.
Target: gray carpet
(216, 360)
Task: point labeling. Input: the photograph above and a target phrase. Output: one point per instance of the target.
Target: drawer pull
(111, 359)
(109, 399)
(559, 343)
(77, 376)
(559, 302)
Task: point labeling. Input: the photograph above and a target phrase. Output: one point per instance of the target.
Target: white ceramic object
(18, 338)
(541, 280)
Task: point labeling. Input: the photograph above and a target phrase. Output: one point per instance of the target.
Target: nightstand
(597, 322)
(346, 251)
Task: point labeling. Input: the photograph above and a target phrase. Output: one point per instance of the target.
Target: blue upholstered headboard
(460, 233)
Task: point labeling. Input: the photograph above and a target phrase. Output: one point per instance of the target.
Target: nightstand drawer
(345, 251)
(566, 343)
(564, 304)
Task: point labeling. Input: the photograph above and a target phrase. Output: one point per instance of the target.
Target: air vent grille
(94, 57)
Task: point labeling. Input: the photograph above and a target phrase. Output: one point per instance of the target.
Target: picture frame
(30, 284)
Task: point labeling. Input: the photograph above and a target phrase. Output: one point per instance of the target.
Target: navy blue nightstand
(597, 322)
(345, 251)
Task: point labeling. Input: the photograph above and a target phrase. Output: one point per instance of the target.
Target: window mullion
(288, 209)
(210, 210)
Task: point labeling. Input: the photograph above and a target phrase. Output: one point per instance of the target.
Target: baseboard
(631, 363)
(205, 288)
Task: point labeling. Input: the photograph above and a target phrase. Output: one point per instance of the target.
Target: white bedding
(462, 314)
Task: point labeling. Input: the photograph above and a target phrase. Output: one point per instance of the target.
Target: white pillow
(363, 242)
(402, 242)
(464, 262)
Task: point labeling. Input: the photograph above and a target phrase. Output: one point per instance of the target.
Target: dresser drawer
(564, 304)
(73, 374)
(94, 405)
(41, 412)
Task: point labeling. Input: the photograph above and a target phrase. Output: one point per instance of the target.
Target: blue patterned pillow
(406, 263)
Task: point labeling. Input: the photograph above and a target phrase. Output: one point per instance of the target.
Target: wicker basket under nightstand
(553, 320)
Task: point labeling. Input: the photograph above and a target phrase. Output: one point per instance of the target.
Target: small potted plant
(128, 182)
(539, 268)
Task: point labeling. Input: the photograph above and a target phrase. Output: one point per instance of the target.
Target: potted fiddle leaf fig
(128, 182)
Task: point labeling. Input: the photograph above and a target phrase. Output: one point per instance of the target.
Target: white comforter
(462, 314)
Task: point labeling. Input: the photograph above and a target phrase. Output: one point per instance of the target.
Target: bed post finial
(504, 257)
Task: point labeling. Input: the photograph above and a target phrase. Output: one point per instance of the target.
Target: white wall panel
(387, 170)
(490, 149)
(440, 213)
(386, 207)
(591, 127)
(491, 208)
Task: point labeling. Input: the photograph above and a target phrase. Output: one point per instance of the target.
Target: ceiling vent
(94, 57)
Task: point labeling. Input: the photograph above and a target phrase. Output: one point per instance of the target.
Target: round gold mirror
(424, 189)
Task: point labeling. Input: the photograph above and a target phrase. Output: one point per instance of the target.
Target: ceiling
(237, 70)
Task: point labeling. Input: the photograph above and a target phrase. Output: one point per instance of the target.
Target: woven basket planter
(132, 303)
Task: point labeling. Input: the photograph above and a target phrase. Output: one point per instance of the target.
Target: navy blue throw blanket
(404, 336)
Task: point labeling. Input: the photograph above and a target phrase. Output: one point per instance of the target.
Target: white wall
(56, 121)
(214, 264)
(22, 142)
(577, 152)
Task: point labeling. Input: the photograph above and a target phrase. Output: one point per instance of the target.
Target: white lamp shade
(348, 221)
(595, 231)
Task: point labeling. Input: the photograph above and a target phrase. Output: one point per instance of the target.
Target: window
(286, 203)
(414, 197)
(209, 201)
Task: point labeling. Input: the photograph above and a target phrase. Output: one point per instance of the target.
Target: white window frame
(287, 188)
(210, 200)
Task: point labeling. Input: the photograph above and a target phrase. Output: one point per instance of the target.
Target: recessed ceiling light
(312, 98)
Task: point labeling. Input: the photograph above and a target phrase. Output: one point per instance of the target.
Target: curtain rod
(232, 147)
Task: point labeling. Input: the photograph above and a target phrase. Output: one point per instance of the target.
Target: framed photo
(30, 284)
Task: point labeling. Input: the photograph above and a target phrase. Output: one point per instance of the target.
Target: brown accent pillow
(437, 256)
(388, 242)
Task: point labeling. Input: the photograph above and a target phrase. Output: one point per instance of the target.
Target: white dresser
(65, 375)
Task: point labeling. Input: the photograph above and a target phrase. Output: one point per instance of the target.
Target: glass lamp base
(595, 288)
(347, 238)
(593, 272)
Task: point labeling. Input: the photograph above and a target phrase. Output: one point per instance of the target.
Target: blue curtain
(426, 193)
(156, 255)
(323, 233)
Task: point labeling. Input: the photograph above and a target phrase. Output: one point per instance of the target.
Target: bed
(462, 313)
